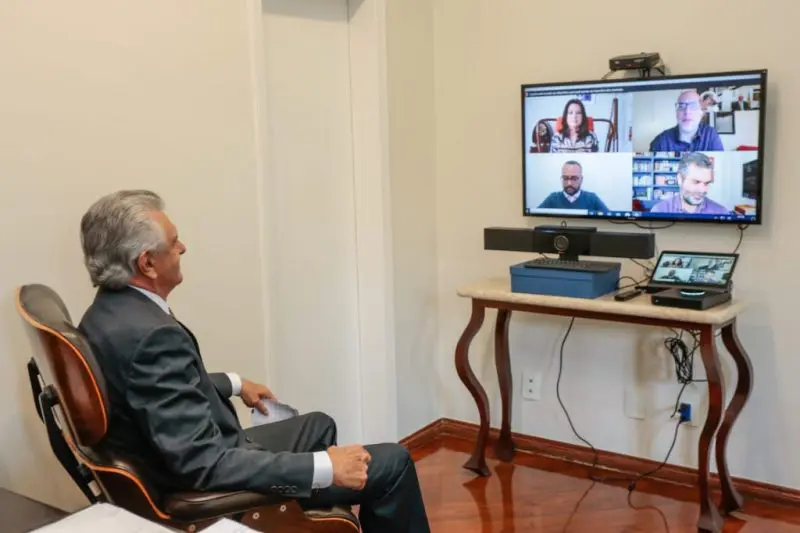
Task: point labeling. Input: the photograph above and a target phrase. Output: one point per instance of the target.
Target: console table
(496, 294)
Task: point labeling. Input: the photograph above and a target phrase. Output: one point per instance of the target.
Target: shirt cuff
(236, 382)
(323, 471)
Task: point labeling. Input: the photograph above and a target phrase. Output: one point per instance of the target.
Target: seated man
(178, 420)
(695, 176)
(690, 134)
(572, 195)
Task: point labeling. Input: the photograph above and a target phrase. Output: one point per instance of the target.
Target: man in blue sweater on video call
(572, 196)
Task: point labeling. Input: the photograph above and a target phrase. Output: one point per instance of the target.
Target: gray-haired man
(695, 176)
(178, 420)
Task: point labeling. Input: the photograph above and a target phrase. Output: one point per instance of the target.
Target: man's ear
(146, 266)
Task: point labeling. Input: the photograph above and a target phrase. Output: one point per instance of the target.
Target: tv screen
(671, 148)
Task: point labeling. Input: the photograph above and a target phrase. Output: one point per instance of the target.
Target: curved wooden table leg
(731, 499)
(710, 519)
(504, 448)
(476, 463)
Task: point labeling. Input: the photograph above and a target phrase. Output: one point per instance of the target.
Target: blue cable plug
(685, 411)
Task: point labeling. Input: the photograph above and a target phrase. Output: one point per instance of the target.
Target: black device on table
(692, 280)
(630, 294)
(570, 243)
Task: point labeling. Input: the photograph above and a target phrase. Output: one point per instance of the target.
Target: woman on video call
(573, 133)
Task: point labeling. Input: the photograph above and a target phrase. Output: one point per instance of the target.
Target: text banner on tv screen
(619, 86)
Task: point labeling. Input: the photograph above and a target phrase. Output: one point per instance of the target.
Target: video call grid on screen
(670, 148)
(709, 270)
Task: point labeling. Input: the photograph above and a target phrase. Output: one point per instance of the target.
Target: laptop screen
(690, 268)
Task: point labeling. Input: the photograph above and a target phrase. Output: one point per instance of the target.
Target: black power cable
(682, 355)
(639, 225)
(741, 227)
(631, 481)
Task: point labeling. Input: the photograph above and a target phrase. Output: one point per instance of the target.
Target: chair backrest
(67, 363)
(75, 391)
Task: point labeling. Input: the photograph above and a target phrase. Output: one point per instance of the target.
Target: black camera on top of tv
(641, 61)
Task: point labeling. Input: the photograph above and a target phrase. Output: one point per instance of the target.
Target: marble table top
(499, 289)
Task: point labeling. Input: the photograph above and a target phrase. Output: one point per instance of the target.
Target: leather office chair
(71, 399)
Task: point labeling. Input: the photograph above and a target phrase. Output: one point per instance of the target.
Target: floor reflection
(548, 495)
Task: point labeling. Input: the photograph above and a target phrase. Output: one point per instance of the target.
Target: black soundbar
(571, 242)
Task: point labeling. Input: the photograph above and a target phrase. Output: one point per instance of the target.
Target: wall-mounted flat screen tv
(671, 148)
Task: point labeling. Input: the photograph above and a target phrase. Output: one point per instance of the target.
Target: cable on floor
(631, 481)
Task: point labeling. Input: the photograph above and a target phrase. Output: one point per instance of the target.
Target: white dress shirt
(323, 467)
(572, 198)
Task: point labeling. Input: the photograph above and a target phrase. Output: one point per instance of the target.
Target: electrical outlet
(695, 395)
(531, 385)
(685, 411)
(665, 394)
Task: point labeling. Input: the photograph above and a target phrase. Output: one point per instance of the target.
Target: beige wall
(104, 95)
(413, 172)
(327, 212)
(484, 50)
(263, 124)
(308, 207)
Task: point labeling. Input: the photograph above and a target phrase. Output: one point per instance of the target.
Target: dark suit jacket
(170, 413)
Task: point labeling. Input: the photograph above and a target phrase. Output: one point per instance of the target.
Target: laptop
(709, 272)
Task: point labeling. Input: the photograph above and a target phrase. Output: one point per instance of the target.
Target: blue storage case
(558, 282)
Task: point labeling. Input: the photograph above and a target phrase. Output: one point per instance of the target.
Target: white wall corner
(255, 29)
(372, 213)
(373, 219)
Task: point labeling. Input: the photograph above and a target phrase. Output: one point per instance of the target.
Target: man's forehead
(161, 218)
(700, 174)
(689, 96)
(571, 168)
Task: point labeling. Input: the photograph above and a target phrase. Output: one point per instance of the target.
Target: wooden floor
(537, 494)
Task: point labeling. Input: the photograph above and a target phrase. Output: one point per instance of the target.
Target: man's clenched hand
(349, 466)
